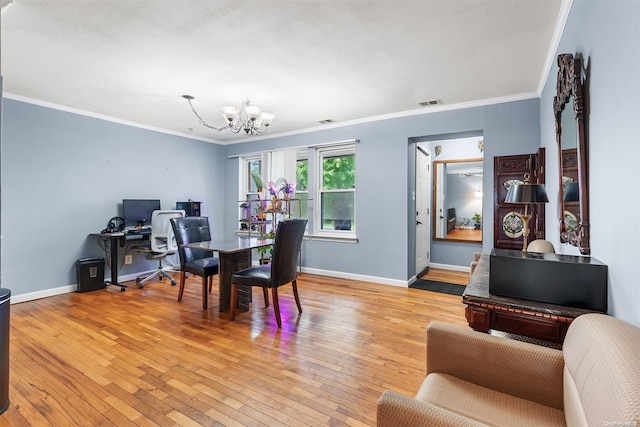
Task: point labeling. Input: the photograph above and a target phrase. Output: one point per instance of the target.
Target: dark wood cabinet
(508, 225)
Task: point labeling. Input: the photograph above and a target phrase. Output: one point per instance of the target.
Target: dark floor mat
(445, 288)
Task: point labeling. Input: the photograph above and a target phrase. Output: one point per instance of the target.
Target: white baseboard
(43, 294)
(15, 299)
(450, 267)
(361, 277)
(124, 278)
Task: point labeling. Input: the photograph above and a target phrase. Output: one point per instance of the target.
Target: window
(251, 182)
(326, 196)
(336, 190)
(302, 187)
(251, 187)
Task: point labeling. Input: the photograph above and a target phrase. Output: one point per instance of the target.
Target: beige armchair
(475, 379)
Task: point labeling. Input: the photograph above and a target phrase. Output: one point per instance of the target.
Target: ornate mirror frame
(574, 217)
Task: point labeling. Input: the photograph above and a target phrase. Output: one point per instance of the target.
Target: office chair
(194, 229)
(163, 244)
(281, 271)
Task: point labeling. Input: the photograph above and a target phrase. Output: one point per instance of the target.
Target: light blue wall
(64, 175)
(607, 34)
(385, 181)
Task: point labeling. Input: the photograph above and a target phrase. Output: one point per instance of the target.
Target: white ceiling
(304, 60)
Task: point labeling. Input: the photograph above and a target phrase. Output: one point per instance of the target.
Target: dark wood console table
(516, 316)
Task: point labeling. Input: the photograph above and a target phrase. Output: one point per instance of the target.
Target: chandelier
(248, 118)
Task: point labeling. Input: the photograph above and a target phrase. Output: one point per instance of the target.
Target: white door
(423, 207)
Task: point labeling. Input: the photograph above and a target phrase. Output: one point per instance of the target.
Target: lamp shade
(526, 194)
(253, 111)
(571, 192)
(267, 118)
(230, 113)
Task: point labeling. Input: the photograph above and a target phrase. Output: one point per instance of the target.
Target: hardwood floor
(448, 276)
(140, 358)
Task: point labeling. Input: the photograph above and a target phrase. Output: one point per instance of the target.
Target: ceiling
(304, 60)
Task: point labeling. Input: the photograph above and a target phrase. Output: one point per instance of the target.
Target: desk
(540, 320)
(115, 240)
(234, 255)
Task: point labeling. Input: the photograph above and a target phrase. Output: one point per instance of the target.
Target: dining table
(234, 255)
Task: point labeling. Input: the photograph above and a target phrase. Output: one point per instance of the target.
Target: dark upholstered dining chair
(282, 270)
(194, 229)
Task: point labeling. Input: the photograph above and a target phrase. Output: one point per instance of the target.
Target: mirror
(568, 108)
(457, 201)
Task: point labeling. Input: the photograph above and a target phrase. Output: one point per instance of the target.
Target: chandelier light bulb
(253, 111)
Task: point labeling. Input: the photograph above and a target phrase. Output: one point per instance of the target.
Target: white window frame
(285, 163)
(319, 155)
(303, 154)
(244, 174)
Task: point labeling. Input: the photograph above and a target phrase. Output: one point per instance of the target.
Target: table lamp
(526, 194)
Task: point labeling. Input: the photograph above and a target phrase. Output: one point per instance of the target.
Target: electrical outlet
(128, 259)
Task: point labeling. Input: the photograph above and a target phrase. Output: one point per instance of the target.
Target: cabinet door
(508, 226)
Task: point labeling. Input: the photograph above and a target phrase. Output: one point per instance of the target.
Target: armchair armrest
(397, 410)
(517, 368)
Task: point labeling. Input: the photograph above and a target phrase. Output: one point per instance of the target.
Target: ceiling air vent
(428, 103)
(326, 121)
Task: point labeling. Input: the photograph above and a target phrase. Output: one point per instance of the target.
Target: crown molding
(408, 113)
(104, 117)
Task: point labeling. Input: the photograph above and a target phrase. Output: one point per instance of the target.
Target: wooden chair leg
(210, 283)
(205, 294)
(265, 292)
(276, 307)
(294, 285)
(181, 291)
(234, 301)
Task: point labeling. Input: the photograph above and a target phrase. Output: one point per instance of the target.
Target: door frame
(423, 219)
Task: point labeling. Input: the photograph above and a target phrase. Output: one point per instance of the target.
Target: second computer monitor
(137, 212)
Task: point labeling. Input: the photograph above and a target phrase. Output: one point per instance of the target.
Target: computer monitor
(137, 212)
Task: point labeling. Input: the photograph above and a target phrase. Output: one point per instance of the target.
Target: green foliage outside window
(255, 183)
(302, 175)
(339, 172)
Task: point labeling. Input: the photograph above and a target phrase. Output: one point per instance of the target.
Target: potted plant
(265, 254)
(477, 221)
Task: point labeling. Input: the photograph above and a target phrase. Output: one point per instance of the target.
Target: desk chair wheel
(122, 289)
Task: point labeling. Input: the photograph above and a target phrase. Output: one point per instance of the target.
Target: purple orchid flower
(272, 189)
(290, 188)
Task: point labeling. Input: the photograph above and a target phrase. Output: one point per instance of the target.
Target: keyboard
(139, 232)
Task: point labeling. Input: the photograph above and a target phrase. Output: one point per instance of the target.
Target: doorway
(462, 191)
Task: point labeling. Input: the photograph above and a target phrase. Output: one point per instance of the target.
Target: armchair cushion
(485, 405)
(516, 368)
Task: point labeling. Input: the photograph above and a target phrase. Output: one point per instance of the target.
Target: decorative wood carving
(569, 87)
(506, 234)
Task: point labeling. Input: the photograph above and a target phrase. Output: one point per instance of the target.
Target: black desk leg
(113, 241)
